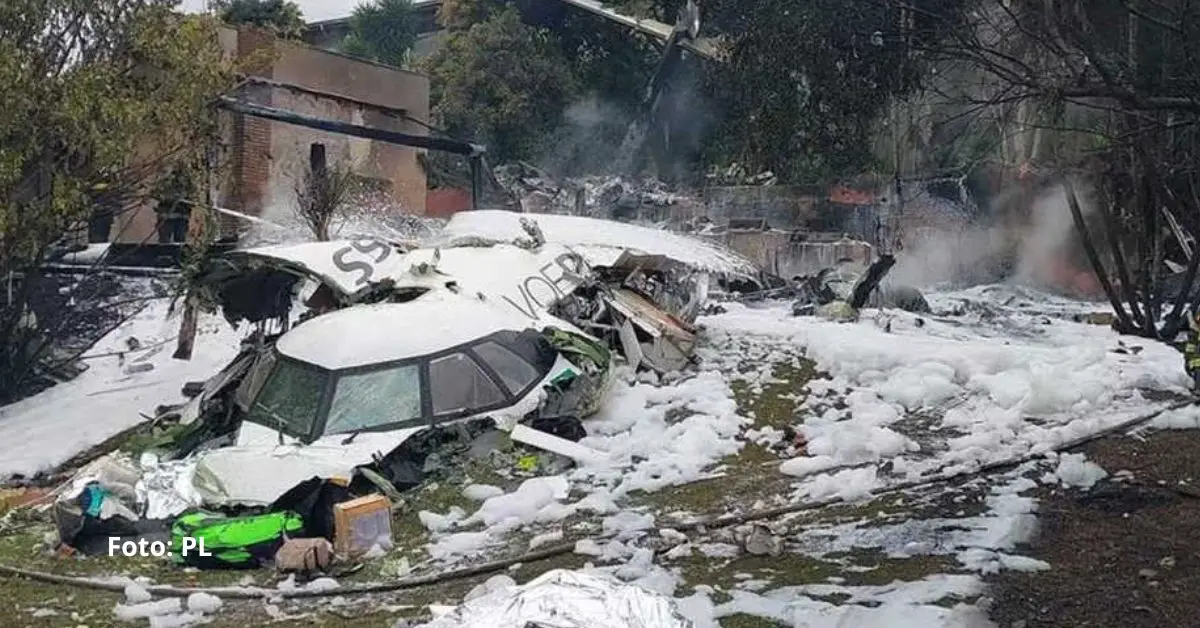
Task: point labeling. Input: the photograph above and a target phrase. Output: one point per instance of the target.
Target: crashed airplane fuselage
(606, 278)
(352, 385)
(515, 327)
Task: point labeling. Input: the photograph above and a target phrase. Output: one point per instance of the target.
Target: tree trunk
(187, 330)
(187, 327)
(1094, 258)
(1127, 291)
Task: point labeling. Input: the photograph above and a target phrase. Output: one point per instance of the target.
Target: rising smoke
(602, 138)
(1030, 239)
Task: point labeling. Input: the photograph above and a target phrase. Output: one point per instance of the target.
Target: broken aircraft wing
(600, 242)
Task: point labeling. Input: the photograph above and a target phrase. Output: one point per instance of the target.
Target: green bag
(213, 541)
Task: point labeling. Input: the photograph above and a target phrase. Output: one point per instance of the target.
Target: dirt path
(1125, 553)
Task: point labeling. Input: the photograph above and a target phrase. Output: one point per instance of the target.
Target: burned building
(262, 160)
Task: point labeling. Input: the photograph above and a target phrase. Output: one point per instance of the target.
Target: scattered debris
(592, 196)
(760, 542)
(839, 292)
(568, 599)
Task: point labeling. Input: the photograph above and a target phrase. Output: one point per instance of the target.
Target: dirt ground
(1125, 553)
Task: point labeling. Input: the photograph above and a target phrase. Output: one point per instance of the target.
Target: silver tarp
(165, 489)
(566, 599)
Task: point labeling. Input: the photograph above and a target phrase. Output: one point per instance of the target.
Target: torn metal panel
(630, 346)
(214, 389)
(263, 283)
(560, 446)
(346, 266)
(257, 476)
(670, 284)
(645, 314)
(666, 344)
(839, 292)
(528, 282)
(869, 280)
(259, 468)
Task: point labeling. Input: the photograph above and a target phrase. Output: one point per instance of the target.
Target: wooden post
(476, 180)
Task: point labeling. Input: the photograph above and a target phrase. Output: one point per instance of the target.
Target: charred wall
(264, 159)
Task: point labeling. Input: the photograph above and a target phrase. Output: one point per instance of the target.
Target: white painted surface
(600, 241)
(371, 334)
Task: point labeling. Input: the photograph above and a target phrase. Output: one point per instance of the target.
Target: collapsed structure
(365, 355)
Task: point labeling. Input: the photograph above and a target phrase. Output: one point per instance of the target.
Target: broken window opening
(290, 399)
(459, 384)
(368, 400)
(515, 373)
(316, 158)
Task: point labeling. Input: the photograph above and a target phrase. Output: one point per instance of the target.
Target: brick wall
(250, 146)
(263, 159)
(360, 81)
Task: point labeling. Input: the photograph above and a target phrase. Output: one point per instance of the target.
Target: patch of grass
(24, 549)
(743, 484)
(783, 570)
(742, 620)
(885, 570)
(527, 572)
(72, 607)
(775, 403)
(440, 497)
(94, 608)
(749, 474)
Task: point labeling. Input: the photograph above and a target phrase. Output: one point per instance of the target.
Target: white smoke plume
(1029, 243)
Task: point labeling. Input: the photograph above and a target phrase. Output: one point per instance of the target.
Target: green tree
(383, 30)
(805, 81)
(99, 100)
(802, 89)
(502, 82)
(610, 63)
(279, 16)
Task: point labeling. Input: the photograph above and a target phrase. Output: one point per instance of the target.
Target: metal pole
(346, 128)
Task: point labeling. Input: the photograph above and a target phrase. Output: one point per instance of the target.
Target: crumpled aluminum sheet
(166, 488)
(567, 599)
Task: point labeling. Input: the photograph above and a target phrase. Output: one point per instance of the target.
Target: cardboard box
(362, 523)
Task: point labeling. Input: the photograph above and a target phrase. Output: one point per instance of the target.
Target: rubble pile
(594, 196)
(737, 174)
(840, 291)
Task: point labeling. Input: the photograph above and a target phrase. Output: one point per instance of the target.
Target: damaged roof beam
(355, 130)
